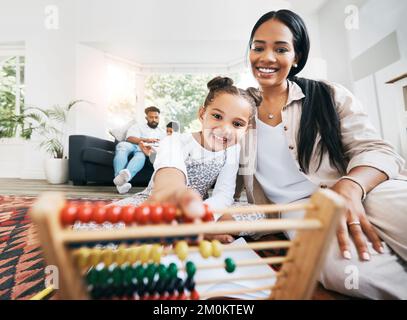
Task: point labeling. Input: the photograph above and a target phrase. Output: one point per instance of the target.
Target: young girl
(188, 165)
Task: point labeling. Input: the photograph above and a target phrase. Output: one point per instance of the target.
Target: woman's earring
(295, 65)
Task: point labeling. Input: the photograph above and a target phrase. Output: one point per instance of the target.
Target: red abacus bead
(142, 214)
(182, 296)
(156, 213)
(99, 214)
(114, 214)
(187, 219)
(85, 213)
(208, 216)
(128, 213)
(194, 295)
(69, 214)
(170, 212)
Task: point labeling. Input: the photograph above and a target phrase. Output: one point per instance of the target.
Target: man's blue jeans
(125, 149)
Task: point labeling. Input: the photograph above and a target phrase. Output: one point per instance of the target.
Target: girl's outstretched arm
(170, 186)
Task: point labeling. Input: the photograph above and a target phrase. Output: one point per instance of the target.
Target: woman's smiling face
(272, 53)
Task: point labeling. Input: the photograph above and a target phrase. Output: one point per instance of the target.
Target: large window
(179, 96)
(122, 94)
(11, 96)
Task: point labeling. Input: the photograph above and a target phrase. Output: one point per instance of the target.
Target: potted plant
(51, 125)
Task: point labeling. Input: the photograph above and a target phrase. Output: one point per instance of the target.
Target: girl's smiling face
(224, 121)
(272, 53)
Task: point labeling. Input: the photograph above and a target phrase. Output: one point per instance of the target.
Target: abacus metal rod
(268, 208)
(244, 263)
(251, 245)
(238, 278)
(227, 247)
(158, 231)
(233, 292)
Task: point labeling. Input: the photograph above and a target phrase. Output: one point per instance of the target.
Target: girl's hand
(223, 238)
(354, 223)
(187, 199)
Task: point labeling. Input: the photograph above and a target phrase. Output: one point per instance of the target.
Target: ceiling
(160, 32)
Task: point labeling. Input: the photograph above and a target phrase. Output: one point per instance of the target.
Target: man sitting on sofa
(137, 134)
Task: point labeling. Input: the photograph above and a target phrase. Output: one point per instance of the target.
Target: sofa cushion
(120, 133)
(98, 156)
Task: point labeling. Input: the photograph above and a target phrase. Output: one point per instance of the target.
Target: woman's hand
(354, 224)
(223, 238)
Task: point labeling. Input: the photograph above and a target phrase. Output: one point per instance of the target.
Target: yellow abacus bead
(216, 248)
(144, 253)
(121, 255)
(181, 250)
(156, 252)
(107, 257)
(132, 254)
(82, 257)
(205, 248)
(95, 256)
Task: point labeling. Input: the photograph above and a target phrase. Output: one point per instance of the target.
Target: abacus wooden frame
(296, 279)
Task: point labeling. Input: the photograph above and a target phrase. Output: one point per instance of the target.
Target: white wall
(340, 47)
(91, 71)
(58, 70)
(378, 19)
(50, 71)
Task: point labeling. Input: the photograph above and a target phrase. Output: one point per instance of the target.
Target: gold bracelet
(364, 194)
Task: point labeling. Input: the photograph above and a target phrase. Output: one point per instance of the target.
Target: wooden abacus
(86, 271)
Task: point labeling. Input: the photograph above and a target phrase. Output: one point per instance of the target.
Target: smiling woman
(313, 134)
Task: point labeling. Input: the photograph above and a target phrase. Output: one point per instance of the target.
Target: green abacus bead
(92, 277)
(104, 276)
(117, 276)
(190, 268)
(150, 271)
(230, 265)
(139, 272)
(162, 271)
(128, 274)
(173, 270)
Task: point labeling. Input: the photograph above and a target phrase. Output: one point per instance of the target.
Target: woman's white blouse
(276, 170)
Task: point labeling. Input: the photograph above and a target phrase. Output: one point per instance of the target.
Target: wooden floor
(21, 187)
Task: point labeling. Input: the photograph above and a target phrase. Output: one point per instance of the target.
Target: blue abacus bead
(169, 240)
(95, 292)
(190, 283)
(151, 287)
(179, 285)
(171, 285)
(141, 288)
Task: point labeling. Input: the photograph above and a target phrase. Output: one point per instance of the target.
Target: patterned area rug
(21, 264)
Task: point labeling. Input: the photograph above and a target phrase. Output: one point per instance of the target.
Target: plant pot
(56, 170)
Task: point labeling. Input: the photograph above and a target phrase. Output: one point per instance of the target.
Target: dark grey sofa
(91, 161)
